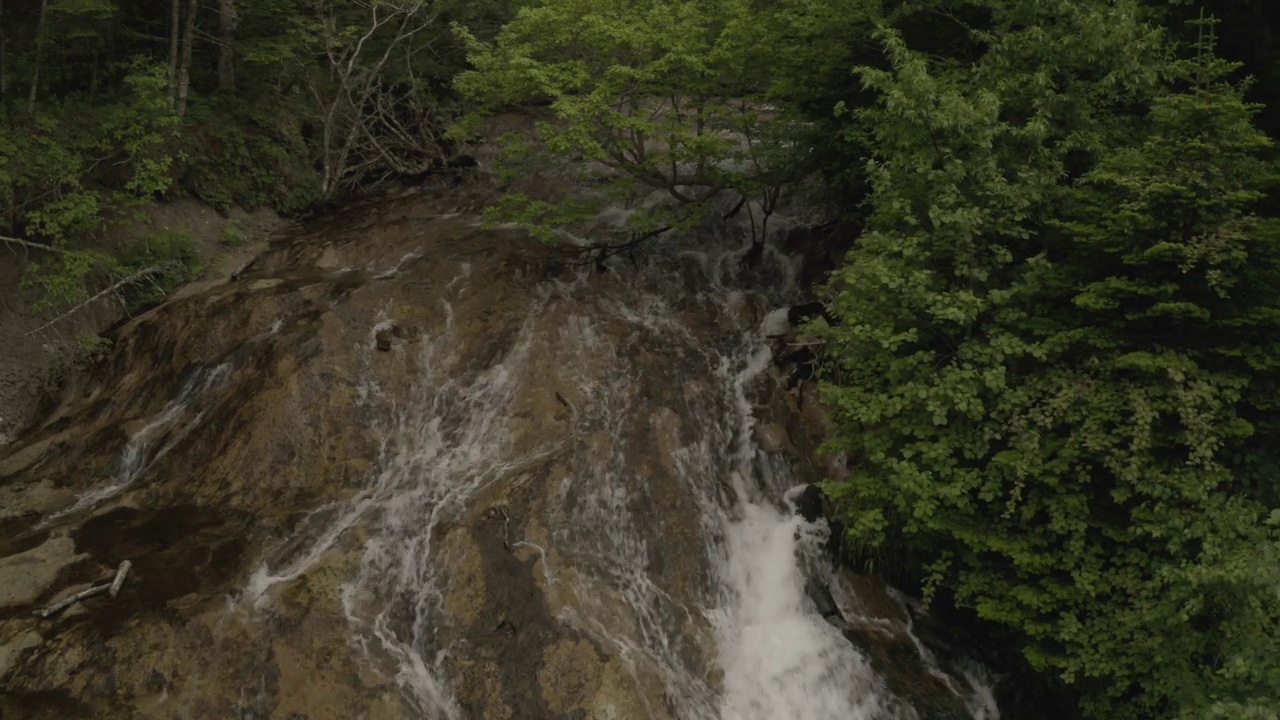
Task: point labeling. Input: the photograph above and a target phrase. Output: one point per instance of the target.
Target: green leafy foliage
(174, 254)
(232, 236)
(250, 154)
(1056, 354)
(142, 130)
(662, 96)
(82, 166)
(42, 181)
(58, 279)
(106, 105)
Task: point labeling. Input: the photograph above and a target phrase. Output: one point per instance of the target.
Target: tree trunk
(4, 69)
(188, 43)
(226, 46)
(93, 78)
(35, 73)
(175, 22)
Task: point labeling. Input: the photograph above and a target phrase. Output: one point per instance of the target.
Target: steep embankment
(42, 347)
(401, 466)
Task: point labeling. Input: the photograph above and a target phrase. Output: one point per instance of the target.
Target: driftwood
(68, 602)
(112, 588)
(119, 581)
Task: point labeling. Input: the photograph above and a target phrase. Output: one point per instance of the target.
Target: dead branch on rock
(506, 528)
(598, 253)
(112, 588)
(130, 280)
(68, 602)
(118, 582)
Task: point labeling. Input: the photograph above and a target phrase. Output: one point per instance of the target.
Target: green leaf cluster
(78, 167)
(97, 116)
(1056, 365)
(677, 97)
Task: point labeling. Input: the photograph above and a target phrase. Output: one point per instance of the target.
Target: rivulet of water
(667, 408)
(162, 433)
(440, 444)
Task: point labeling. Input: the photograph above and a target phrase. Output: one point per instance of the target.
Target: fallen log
(68, 602)
(112, 588)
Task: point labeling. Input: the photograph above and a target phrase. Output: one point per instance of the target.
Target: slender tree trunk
(35, 73)
(4, 68)
(93, 77)
(226, 46)
(188, 44)
(175, 28)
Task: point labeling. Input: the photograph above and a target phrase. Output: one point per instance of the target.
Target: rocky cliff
(403, 466)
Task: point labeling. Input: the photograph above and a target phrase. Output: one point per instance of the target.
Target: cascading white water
(439, 447)
(443, 445)
(781, 660)
(451, 438)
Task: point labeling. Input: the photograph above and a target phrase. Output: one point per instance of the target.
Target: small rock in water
(822, 599)
(809, 503)
(384, 336)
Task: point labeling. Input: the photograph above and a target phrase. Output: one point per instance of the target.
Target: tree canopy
(1056, 362)
(692, 100)
(109, 104)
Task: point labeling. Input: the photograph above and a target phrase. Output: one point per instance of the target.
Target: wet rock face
(223, 420)
(399, 467)
(230, 428)
(25, 576)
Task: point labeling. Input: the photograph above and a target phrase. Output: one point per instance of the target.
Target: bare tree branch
(36, 246)
(130, 280)
(370, 130)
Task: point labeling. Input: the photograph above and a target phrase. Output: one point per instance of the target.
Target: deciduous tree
(669, 97)
(1056, 364)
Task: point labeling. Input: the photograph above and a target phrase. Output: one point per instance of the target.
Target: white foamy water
(747, 618)
(781, 660)
(775, 323)
(442, 446)
(444, 442)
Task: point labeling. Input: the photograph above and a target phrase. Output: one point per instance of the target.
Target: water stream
(161, 433)
(662, 424)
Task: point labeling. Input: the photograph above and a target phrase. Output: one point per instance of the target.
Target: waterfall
(780, 658)
(660, 426)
